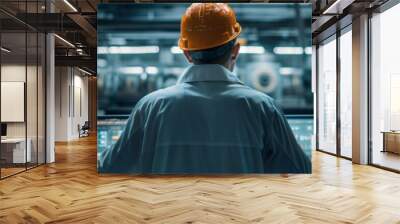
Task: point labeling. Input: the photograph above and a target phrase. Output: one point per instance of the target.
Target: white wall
(70, 83)
(80, 104)
(33, 126)
(62, 81)
(12, 73)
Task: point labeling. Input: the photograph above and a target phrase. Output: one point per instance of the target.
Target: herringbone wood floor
(71, 191)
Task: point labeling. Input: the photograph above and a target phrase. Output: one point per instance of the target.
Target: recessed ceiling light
(252, 50)
(5, 50)
(64, 40)
(70, 5)
(288, 50)
(84, 71)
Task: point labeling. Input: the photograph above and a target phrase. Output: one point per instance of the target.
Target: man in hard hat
(209, 122)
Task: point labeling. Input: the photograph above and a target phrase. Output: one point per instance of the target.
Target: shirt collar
(208, 72)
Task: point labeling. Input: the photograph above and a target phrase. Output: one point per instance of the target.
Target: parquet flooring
(10, 171)
(71, 191)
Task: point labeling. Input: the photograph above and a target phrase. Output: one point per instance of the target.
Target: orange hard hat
(208, 25)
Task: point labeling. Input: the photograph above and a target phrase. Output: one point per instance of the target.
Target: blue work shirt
(209, 122)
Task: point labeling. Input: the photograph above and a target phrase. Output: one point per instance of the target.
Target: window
(346, 93)
(385, 89)
(327, 96)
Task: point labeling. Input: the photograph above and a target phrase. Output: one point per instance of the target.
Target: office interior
(44, 99)
(373, 93)
(51, 89)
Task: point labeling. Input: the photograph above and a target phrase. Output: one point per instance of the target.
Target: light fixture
(176, 50)
(151, 70)
(252, 50)
(64, 40)
(79, 51)
(84, 71)
(131, 70)
(143, 76)
(70, 5)
(293, 50)
(243, 50)
(289, 71)
(333, 6)
(128, 50)
(5, 50)
(288, 50)
(308, 50)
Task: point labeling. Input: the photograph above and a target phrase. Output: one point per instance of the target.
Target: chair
(84, 130)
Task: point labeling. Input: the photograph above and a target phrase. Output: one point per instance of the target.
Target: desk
(13, 150)
(391, 141)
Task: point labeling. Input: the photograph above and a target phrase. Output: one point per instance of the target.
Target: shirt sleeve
(282, 153)
(124, 155)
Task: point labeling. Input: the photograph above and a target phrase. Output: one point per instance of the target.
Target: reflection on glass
(346, 94)
(327, 96)
(385, 86)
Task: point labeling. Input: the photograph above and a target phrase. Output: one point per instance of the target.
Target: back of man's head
(215, 55)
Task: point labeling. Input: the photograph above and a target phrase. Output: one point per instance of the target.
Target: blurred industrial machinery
(138, 54)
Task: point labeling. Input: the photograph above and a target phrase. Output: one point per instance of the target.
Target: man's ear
(188, 57)
(235, 51)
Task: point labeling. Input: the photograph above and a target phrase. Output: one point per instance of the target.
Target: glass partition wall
(13, 86)
(22, 107)
(334, 94)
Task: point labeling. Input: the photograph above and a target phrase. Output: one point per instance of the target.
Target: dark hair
(216, 55)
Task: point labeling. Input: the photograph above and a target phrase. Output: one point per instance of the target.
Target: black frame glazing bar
(338, 98)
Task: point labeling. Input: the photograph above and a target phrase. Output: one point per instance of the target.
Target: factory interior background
(140, 55)
(344, 109)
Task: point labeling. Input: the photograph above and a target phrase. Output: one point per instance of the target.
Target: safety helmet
(208, 25)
